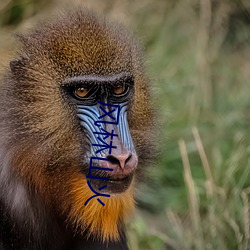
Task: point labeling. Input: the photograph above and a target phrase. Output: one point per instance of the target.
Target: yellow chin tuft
(100, 221)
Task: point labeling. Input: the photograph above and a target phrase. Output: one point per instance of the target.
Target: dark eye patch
(89, 99)
(99, 87)
(127, 82)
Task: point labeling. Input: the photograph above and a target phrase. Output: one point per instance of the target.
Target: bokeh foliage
(197, 192)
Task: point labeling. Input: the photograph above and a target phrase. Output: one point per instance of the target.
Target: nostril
(120, 160)
(128, 158)
(113, 160)
(123, 162)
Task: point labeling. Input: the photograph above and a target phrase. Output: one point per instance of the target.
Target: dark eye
(81, 92)
(119, 89)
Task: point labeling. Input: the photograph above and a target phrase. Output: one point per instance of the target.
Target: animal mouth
(118, 178)
(115, 183)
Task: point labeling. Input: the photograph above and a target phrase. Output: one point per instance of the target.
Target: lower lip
(113, 186)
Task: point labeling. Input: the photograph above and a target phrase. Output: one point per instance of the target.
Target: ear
(18, 63)
(15, 64)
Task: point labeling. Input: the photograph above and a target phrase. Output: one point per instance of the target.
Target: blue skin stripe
(89, 115)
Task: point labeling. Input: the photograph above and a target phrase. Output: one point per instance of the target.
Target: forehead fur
(81, 43)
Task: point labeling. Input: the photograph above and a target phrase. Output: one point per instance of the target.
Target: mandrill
(68, 165)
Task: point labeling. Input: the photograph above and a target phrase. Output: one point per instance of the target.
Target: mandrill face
(77, 120)
(101, 103)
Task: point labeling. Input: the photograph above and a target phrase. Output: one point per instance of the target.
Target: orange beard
(101, 221)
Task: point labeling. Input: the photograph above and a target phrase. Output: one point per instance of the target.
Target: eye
(119, 89)
(81, 92)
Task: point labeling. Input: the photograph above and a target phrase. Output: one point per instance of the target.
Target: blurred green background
(196, 194)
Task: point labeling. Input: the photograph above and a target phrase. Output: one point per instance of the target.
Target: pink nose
(123, 163)
(119, 160)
